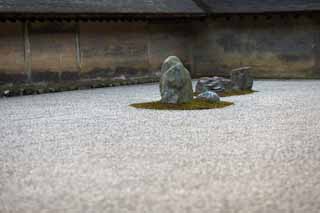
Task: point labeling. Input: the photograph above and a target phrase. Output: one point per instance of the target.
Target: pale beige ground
(87, 151)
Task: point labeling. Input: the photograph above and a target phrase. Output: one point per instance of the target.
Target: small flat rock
(209, 96)
(6, 92)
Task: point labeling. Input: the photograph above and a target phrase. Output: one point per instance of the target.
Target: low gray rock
(40, 91)
(175, 82)
(209, 96)
(215, 84)
(241, 78)
(6, 93)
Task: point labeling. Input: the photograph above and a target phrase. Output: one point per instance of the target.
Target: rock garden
(177, 92)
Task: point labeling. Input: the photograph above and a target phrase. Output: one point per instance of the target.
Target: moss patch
(194, 105)
(233, 93)
(236, 93)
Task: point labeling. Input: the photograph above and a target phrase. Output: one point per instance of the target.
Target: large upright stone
(241, 78)
(175, 82)
(169, 62)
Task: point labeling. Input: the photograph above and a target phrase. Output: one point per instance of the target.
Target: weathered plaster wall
(12, 53)
(114, 50)
(276, 47)
(53, 52)
(167, 40)
(61, 51)
(122, 50)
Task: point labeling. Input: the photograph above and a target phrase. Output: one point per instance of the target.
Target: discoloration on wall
(275, 48)
(61, 51)
(53, 51)
(169, 40)
(113, 49)
(12, 53)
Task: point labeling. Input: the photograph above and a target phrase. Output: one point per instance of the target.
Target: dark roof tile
(260, 6)
(100, 6)
(155, 7)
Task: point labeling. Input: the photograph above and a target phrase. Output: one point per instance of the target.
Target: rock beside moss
(209, 96)
(214, 84)
(175, 82)
(241, 78)
(169, 62)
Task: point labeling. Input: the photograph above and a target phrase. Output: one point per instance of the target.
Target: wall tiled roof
(260, 6)
(154, 7)
(100, 6)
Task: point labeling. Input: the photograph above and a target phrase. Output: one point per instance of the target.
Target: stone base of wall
(11, 90)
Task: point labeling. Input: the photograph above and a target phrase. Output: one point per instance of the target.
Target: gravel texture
(87, 151)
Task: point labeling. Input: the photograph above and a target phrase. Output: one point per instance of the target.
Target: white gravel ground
(87, 151)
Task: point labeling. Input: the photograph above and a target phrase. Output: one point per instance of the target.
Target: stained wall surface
(275, 47)
(170, 40)
(130, 49)
(63, 51)
(114, 49)
(53, 51)
(12, 66)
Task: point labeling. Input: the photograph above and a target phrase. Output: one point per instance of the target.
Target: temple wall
(73, 53)
(12, 63)
(124, 50)
(276, 47)
(53, 52)
(114, 50)
(168, 40)
(69, 51)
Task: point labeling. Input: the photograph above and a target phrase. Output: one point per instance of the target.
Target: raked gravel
(88, 151)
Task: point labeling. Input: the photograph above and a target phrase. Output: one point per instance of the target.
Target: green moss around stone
(194, 105)
(234, 93)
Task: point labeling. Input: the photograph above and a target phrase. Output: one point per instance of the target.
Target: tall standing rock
(169, 62)
(241, 78)
(175, 82)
